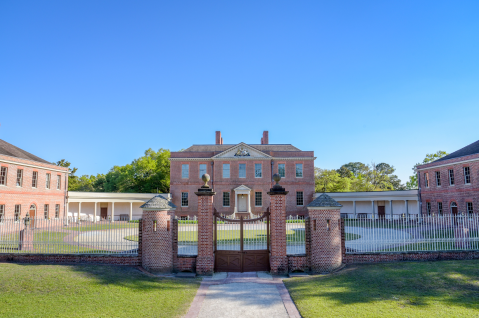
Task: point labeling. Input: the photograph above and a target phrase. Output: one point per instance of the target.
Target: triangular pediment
(241, 151)
(242, 188)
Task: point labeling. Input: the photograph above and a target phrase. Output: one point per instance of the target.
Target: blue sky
(99, 82)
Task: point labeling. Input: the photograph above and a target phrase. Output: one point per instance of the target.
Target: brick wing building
(241, 176)
(30, 184)
(450, 185)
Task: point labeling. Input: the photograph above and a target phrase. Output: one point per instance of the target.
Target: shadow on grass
(411, 283)
(123, 276)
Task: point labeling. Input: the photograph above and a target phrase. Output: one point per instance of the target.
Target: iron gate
(241, 245)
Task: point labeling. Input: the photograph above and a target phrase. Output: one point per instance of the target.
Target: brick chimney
(219, 139)
(265, 139)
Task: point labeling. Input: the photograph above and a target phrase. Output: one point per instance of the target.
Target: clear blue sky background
(99, 82)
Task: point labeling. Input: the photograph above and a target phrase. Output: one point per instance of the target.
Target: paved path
(242, 295)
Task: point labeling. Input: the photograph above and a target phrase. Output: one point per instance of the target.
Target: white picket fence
(295, 235)
(188, 236)
(424, 233)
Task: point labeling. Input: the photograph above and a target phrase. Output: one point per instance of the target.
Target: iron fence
(423, 233)
(65, 236)
(187, 236)
(295, 235)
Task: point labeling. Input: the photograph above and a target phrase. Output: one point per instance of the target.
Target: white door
(242, 203)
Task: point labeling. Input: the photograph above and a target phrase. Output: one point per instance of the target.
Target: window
(470, 211)
(451, 177)
(59, 182)
(47, 180)
(439, 208)
(258, 198)
(438, 178)
(184, 198)
(242, 170)
(202, 169)
(426, 179)
(57, 211)
(2, 212)
(45, 211)
(226, 170)
(3, 176)
(185, 171)
(226, 199)
(19, 177)
(281, 170)
(299, 198)
(34, 179)
(428, 207)
(18, 210)
(467, 175)
(258, 171)
(299, 170)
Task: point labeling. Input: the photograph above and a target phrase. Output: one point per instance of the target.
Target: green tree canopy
(430, 157)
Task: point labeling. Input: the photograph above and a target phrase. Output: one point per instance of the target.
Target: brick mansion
(241, 175)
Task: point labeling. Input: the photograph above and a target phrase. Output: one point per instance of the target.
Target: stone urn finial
(205, 178)
(277, 179)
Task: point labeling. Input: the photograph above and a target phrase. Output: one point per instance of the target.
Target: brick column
(278, 260)
(325, 223)
(205, 261)
(157, 235)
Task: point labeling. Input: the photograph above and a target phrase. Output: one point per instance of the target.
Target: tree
(430, 157)
(330, 181)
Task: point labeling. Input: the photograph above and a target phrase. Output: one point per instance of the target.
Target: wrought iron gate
(241, 245)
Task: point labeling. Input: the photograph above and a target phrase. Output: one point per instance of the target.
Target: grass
(133, 238)
(446, 233)
(90, 291)
(351, 236)
(407, 289)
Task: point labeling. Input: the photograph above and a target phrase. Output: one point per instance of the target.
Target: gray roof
(324, 200)
(220, 148)
(13, 151)
(158, 202)
(466, 151)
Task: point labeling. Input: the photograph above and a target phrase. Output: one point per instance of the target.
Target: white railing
(423, 233)
(295, 235)
(65, 236)
(188, 236)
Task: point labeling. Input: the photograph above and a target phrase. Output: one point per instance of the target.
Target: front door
(103, 213)
(381, 212)
(32, 216)
(237, 250)
(454, 210)
(242, 203)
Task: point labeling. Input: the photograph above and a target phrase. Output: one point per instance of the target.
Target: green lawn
(89, 226)
(90, 291)
(351, 236)
(407, 289)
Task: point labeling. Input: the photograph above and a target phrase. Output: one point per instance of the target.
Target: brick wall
(298, 263)
(278, 259)
(205, 260)
(460, 192)
(71, 259)
(326, 253)
(26, 195)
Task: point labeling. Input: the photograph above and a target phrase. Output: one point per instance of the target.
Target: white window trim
(464, 173)
(229, 199)
(184, 206)
(223, 171)
(199, 169)
(188, 171)
(261, 171)
(296, 198)
(302, 170)
(240, 170)
(261, 199)
(284, 169)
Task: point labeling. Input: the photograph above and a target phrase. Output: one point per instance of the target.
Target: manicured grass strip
(351, 236)
(133, 238)
(408, 289)
(90, 291)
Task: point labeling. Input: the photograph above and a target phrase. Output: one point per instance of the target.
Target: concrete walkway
(242, 295)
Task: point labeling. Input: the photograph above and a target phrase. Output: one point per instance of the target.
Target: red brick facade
(461, 192)
(157, 240)
(205, 260)
(278, 259)
(27, 195)
(326, 251)
(269, 156)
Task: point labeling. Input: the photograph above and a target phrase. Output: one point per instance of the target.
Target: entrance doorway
(241, 245)
(382, 212)
(454, 208)
(32, 212)
(242, 203)
(103, 213)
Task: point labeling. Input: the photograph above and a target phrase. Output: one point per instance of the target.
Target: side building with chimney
(241, 174)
